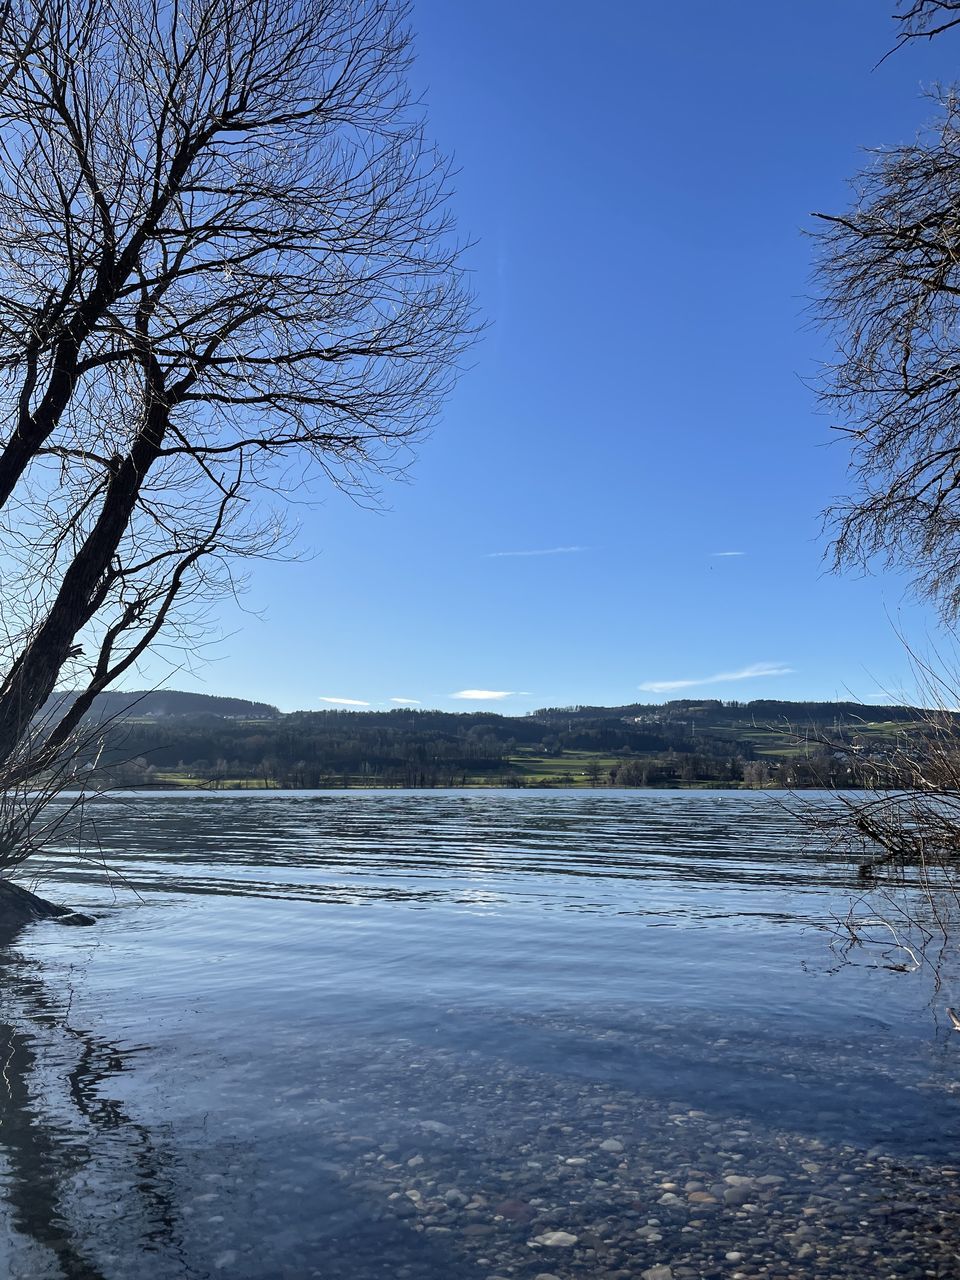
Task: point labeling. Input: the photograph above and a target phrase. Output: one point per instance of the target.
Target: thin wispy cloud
(544, 551)
(406, 702)
(722, 677)
(344, 702)
(719, 555)
(486, 695)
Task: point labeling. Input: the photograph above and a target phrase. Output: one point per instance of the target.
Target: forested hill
(159, 704)
(710, 712)
(181, 739)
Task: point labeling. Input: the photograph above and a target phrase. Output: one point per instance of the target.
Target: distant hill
(167, 704)
(714, 713)
(171, 738)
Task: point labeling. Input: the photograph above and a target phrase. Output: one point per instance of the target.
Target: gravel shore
(529, 1177)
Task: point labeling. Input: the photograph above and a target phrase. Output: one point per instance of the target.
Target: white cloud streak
(546, 551)
(344, 702)
(755, 670)
(485, 695)
(406, 702)
(717, 555)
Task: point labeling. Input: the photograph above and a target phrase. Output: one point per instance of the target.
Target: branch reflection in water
(905, 925)
(57, 1113)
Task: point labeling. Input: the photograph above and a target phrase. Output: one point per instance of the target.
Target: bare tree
(924, 19)
(889, 277)
(226, 268)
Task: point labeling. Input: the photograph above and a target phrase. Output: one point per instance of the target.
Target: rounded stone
(556, 1240)
(736, 1195)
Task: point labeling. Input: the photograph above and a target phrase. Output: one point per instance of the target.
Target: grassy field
(789, 743)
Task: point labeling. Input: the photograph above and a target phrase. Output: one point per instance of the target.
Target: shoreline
(234, 787)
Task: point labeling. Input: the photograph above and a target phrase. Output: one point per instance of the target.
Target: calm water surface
(487, 1034)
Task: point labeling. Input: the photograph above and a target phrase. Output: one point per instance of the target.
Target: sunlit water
(386, 1034)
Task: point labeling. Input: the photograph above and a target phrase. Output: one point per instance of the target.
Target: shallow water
(374, 1034)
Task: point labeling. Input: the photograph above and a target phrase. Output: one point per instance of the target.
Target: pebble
(736, 1195)
(611, 1144)
(436, 1126)
(657, 1273)
(516, 1210)
(555, 1240)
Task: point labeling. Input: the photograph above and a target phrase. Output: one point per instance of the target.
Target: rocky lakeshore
(474, 1167)
(19, 907)
(586, 1180)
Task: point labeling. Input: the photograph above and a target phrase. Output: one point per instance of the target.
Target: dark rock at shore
(19, 907)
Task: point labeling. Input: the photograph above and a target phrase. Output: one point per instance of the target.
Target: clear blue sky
(637, 177)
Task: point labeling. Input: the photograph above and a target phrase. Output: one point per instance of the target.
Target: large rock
(19, 907)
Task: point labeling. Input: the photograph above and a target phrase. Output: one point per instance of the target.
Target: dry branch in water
(226, 269)
(904, 829)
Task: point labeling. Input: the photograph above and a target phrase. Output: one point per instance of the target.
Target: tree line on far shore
(680, 744)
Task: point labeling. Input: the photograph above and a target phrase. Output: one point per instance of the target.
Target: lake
(433, 1035)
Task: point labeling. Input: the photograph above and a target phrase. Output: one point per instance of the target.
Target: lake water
(427, 1036)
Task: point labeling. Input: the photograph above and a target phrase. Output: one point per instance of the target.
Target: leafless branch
(226, 262)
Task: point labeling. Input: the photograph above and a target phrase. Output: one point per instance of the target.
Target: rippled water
(374, 1034)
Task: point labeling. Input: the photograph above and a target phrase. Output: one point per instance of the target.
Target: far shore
(540, 784)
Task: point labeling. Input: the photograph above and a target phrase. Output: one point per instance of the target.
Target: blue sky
(621, 500)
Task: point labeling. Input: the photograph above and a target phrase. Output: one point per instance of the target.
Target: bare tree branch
(226, 261)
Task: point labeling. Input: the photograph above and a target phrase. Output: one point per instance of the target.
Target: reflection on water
(63, 1132)
(421, 1035)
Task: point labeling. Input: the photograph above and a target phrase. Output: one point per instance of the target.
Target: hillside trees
(226, 269)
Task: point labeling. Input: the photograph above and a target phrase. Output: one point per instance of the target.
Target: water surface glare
(480, 1034)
